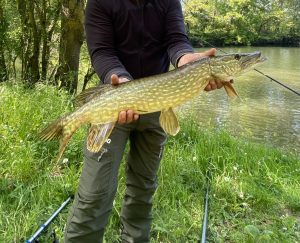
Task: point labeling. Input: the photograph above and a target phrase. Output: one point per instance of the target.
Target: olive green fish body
(100, 106)
(145, 95)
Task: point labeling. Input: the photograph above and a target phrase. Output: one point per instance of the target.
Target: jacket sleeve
(100, 41)
(177, 40)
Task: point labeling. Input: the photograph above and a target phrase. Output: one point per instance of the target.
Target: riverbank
(261, 43)
(255, 188)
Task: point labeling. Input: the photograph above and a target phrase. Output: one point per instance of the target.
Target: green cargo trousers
(99, 178)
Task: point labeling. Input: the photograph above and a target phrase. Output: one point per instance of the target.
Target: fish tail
(61, 129)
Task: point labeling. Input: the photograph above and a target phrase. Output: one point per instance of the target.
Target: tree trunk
(3, 68)
(45, 44)
(48, 20)
(22, 8)
(33, 74)
(71, 39)
(30, 41)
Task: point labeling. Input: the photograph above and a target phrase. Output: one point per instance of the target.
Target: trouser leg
(146, 149)
(96, 191)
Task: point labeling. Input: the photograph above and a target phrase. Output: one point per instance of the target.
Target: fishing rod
(206, 204)
(33, 239)
(273, 79)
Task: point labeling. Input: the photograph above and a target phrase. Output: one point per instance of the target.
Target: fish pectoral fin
(98, 134)
(89, 94)
(230, 90)
(169, 121)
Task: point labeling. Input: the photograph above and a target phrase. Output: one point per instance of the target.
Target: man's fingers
(213, 85)
(129, 116)
(122, 117)
(219, 84)
(207, 88)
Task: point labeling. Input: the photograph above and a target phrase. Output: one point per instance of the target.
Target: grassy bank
(255, 189)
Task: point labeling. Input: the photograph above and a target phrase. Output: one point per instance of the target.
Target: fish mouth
(252, 59)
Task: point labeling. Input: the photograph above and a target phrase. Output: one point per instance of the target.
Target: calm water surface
(267, 113)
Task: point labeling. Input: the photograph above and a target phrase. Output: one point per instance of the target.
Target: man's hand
(190, 57)
(124, 116)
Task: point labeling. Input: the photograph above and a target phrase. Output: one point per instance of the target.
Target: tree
(3, 28)
(30, 40)
(71, 39)
(243, 22)
(48, 13)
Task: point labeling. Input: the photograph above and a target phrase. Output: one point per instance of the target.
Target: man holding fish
(127, 40)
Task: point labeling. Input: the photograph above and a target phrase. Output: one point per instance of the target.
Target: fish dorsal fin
(169, 121)
(90, 93)
(230, 90)
(98, 134)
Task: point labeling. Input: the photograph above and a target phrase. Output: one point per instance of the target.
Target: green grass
(255, 193)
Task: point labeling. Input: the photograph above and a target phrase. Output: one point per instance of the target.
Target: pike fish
(100, 106)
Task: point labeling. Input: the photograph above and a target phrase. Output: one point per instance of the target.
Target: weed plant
(255, 189)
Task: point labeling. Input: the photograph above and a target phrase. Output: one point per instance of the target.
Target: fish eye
(237, 57)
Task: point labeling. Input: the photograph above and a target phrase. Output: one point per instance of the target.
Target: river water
(266, 113)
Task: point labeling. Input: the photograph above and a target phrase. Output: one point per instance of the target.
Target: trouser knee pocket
(96, 177)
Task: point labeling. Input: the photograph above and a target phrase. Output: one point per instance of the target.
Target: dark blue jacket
(134, 38)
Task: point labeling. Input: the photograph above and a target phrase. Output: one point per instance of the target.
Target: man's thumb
(114, 79)
(211, 52)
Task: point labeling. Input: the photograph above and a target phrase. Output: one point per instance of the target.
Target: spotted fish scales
(100, 106)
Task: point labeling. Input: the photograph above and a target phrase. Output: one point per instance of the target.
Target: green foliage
(30, 40)
(255, 189)
(243, 22)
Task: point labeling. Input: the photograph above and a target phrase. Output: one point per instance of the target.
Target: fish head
(227, 66)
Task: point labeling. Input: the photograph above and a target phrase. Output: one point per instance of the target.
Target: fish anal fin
(89, 94)
(230, 90)
(98, 134)
(169, 121)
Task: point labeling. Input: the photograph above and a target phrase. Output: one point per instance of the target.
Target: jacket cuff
(120, 72)
(178, 55)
